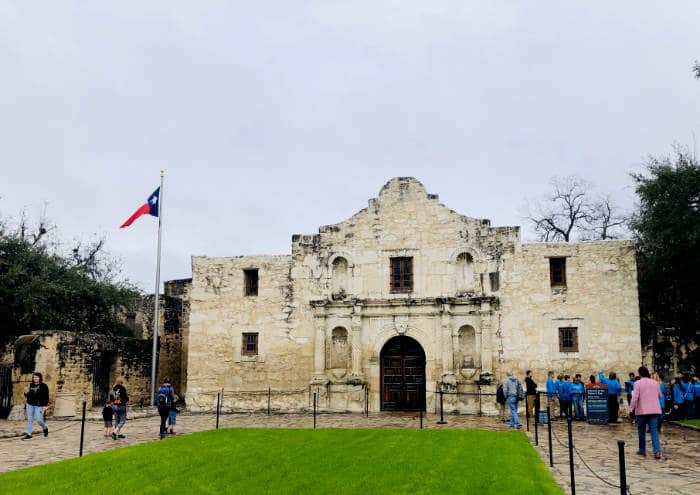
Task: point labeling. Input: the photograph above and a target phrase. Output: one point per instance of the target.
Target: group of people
(113, 413)
(646, 399)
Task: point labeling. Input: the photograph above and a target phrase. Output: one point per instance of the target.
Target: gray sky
(273, 118)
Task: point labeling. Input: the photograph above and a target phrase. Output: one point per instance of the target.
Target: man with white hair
(513, 391)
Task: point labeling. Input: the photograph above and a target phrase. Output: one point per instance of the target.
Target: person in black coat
(37, 394)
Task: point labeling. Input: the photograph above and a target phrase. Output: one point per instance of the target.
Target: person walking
(645, 405)
(689, 397)
(577, 391)
(164, 401)
(614, 391)
(119, 401)
(513, 390)
(37, 394)
(530, 394)
(551, 392)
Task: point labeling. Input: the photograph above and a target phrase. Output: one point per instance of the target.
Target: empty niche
(465, 272)
(340, 350)
(467, 347)
(340, 275)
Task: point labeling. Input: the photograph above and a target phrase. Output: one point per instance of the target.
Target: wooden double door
(403, 375)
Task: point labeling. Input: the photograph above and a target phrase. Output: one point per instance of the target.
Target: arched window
(467, 347)
(340, 275)
(340, 349)
(465, 272)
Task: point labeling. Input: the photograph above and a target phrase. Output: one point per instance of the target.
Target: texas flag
(150, 207)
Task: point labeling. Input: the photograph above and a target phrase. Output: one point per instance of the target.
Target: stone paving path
(677, 473)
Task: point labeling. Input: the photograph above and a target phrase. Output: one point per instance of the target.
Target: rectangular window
(494, 280)
(401, 275)
(251, 282)
(249, 347)
(557, 272)
(568, 339)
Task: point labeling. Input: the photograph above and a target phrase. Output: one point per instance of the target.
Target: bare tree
(564, 212)
(696, 69)
(606, 221)
(572, 211)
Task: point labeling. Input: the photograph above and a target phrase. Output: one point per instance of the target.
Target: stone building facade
(403, 299)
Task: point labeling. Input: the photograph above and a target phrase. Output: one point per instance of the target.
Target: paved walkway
(677, 473)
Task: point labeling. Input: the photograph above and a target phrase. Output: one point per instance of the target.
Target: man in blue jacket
(565, 395)
(551, 391)
(614, 391)
(577, 391)
(679, 389)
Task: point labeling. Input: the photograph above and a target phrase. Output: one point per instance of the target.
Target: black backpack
(500, 396)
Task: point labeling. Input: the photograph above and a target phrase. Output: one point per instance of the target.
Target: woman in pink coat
(645, 405)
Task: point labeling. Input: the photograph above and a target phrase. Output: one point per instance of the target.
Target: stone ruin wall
(66, 359)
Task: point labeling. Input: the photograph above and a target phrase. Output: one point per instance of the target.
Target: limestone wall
(600, 299)
(220, 313)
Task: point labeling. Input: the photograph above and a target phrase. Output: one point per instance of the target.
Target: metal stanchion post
(623, 474)
(218, 402)
(421, 419)
(82, 430)
(314, 410)
(442, 416)
(527, 415)
(269, 391)
(366, 402)
(537, 416)
(571, 456)
(549, 432)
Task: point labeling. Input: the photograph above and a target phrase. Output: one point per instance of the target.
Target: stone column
(448, 377)
(455, 349)
(356, 376)
(486, 338)
(320, 350)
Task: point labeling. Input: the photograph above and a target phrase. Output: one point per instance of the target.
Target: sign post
(597, 406)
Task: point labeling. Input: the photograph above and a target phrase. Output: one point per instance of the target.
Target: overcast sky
(273, 118)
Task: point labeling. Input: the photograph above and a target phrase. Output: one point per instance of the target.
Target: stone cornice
(402, 302)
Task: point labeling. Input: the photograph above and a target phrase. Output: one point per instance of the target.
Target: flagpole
(156, 311)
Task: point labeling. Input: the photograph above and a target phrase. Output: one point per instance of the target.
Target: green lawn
(251, 461)
(694, 422)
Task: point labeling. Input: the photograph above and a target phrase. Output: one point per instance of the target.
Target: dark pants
(566, 407)
(613, 408)
(163, 411)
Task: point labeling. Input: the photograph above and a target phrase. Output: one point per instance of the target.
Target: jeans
(119, 416)
(566, 407)
(578, 407)
(653, 421)
(34, 413)
(512, 402)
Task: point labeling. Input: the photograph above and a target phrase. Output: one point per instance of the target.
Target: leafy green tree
(667, 229)
(42, 289)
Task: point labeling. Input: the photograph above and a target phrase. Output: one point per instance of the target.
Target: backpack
(500, 397)
(163, 398)
(520, 392)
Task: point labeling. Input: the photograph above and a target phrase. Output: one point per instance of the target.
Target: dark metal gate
(5, 391)
(403, 375)
(100, 379)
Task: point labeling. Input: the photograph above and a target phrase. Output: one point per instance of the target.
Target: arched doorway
(402, 375)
